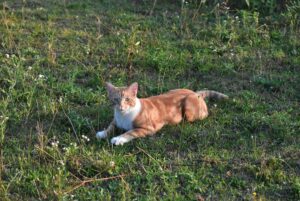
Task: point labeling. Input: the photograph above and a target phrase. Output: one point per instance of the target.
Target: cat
(141, 117)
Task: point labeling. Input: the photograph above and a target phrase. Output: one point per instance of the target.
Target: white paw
(101, 135)
(119, 140)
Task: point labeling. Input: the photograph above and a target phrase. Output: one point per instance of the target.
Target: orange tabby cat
(140, 117)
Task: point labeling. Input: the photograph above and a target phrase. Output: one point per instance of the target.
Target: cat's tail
(211, 94)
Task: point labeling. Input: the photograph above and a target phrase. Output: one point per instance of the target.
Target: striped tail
(212, 94)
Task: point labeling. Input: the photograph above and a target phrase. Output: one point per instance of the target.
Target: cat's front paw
(119, 140)
(101, 135)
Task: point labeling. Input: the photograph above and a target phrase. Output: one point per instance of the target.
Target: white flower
(85, 138)
(41, 77)
(7, 56)
(73, 144)
(112, 164)
(29, 67)
(55, 142)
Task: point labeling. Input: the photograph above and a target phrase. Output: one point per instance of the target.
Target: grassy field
(56, 55)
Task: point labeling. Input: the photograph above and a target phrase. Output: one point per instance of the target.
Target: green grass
(56, 55)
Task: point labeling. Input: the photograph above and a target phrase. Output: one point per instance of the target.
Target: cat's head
(123, 98)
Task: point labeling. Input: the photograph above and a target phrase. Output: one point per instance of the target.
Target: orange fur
(156, 111)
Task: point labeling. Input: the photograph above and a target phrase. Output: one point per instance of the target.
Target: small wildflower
(85, 138)
(4, 118)
(61, 162)
(42, 77)
(228, 173)
(7, 56)
(232, 54)
(215, 105)
(55, 144)
(112, 164)
(252, 137)
(236, 17)
(254, 193)
(29, 67)
(73, 144)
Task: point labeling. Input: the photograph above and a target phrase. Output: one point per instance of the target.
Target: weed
(56, 55)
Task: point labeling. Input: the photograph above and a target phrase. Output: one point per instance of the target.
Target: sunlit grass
(56, 55)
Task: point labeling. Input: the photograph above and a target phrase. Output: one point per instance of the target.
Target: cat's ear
(110, 88)
(134, 88)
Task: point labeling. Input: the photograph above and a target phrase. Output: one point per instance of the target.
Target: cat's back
(174, 94)
(161, 109)
(169, 98)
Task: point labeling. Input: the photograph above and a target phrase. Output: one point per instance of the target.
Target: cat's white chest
(125, 121)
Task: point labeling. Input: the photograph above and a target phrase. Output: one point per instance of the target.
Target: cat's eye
(127, 99)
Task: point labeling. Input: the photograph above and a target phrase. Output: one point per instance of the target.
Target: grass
(56, 55)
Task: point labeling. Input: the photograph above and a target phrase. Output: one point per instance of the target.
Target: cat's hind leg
(203, 111)
(194, 108)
